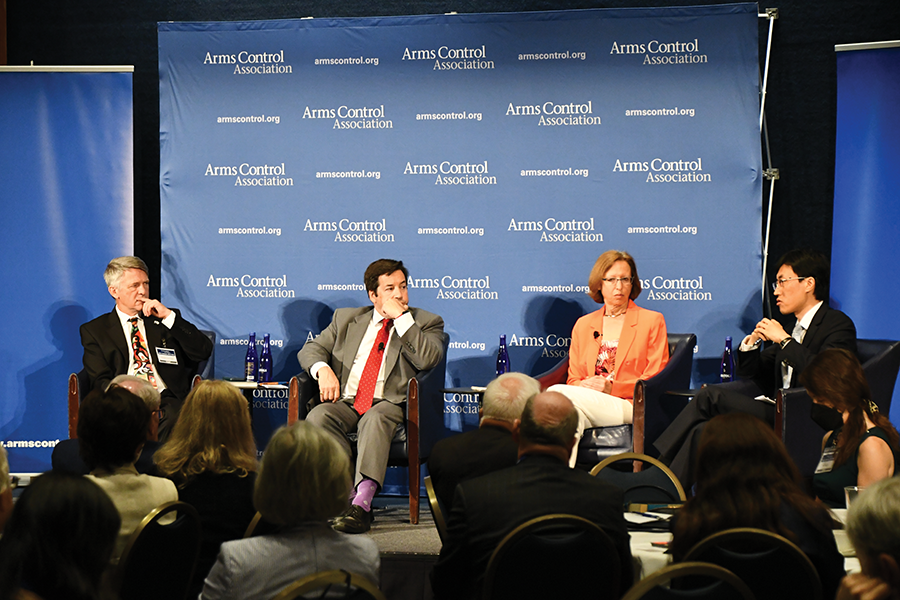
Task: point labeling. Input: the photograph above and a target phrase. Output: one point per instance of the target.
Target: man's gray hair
(873, 521)
(4, 470)
(117, 266)
(505, 396)
(139, 387)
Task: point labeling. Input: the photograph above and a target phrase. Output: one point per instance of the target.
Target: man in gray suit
(363, 361)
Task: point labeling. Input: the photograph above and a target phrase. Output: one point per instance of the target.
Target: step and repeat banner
(66, 157)
(866, 236)
(497, 155)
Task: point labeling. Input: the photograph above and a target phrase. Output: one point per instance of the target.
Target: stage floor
(407, 551)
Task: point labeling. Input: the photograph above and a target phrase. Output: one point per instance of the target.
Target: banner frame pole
(770, 173)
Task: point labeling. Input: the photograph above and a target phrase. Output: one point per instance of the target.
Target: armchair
(413, 439)
(653, 409)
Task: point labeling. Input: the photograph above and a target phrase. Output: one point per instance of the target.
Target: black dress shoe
(354, 520)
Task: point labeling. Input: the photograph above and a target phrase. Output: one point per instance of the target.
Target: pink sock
(365, 491)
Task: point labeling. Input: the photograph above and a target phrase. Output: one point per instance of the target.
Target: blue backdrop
(497, 155)
(66, 157)
(866, 237)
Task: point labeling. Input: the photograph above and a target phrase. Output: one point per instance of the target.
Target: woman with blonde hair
(304, 481)
(612, 347)
(211, 457)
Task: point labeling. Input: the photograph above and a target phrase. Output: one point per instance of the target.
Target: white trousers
(595, 409)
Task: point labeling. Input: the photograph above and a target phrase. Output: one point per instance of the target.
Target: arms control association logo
(251, 63)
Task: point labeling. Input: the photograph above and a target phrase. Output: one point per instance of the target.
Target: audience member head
(6, 499)
(547, 426)
(835, 379)
(118, 266)
(144, 390)
(382, 266)
(808, 263)
(112, 428)
(604, 263)
(59, 539)
(212, 433)
(744, 474)
(873, 525)
(304, 476)
(505, 397)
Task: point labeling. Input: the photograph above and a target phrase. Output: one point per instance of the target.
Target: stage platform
(407, 551)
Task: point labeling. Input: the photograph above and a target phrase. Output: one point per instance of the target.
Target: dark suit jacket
(829, 328)
(421, 348)
(225, 505)
(487, 508)
(469, 455)
(66, 457)
(106, 352)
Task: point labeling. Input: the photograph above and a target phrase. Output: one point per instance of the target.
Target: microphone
(381, 347)
(596, 334)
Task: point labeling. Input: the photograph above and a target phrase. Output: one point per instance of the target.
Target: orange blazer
(642, 353)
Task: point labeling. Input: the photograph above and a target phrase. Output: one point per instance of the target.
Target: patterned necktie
(366, 390)
(142, 366)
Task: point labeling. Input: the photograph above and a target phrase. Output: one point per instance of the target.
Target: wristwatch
(785, 342)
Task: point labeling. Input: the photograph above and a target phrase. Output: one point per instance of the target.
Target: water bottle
(265, 361)
(251, 361)
(727, 371)
(502, 357)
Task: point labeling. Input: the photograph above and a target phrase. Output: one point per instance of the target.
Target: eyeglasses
(614, 280)
(780, 282)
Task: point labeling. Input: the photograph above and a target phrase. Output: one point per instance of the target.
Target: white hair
(142, 389)
(118, 266)
(873, 521)
(505, 396)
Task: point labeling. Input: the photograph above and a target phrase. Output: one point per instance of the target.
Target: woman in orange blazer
(612, 347)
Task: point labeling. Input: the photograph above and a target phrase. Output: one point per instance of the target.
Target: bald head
(140, 388)
(144, 390)
(549, 419)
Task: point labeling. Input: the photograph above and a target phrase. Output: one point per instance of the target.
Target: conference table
(650, 558)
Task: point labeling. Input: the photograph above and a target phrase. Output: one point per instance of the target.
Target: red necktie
(366, 390)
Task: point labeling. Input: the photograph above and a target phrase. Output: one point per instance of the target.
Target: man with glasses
(770, 356)
(143, 337)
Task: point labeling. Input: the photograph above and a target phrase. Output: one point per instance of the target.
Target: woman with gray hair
(304, 481)
(873, 525)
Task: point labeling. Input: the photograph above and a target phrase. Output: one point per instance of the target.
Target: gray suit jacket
(257, 568)
(419, 349)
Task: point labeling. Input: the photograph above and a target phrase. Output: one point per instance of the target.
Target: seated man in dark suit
(363, 362)
(487, 508)
(67, 453)
(488, 448)
(801, 290)
(143, 337)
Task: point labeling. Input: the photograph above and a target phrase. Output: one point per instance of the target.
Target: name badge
(826, 463)
(166, 356)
